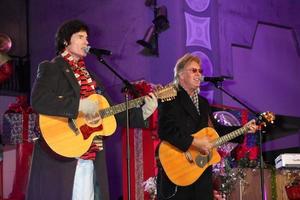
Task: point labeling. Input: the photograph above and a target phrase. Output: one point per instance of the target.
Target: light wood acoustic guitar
(73, 137)
(184, 168)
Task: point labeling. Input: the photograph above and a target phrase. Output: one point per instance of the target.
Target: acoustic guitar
(73, 137)
(184, 168)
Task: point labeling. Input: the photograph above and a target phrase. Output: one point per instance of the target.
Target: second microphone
(97, 52)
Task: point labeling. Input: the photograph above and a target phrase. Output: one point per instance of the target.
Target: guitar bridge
(73, 126)
(188, 156)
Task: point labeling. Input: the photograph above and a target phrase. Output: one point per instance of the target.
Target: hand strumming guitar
(90, 109)
(203, 145)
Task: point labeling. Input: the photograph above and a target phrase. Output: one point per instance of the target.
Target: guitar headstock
(166, 93)
(266, 118)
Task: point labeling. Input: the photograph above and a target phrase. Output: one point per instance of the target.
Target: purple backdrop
(256, 42)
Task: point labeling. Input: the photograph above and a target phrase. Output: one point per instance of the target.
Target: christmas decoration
(143, 143)
(142, 87)
(19, 129)
(293, 187)
(6, 68)
(19, 123)
(150, 187)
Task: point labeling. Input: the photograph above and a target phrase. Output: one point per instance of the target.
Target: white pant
(83, 187)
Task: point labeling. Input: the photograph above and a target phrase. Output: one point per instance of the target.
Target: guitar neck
(230, 136)
(121, 107)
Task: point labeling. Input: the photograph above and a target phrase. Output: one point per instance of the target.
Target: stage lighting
(150, 2)
(150, 40)
(159, 23)
(161, 19)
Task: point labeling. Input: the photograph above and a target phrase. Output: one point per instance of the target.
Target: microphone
(215, 79)
(97, 52)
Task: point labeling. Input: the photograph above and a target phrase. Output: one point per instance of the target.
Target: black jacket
(56, 92)
(178, 120)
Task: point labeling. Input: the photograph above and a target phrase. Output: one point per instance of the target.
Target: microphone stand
(128, 87)
(260, 118)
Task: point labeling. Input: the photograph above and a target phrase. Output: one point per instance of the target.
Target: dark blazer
(178, 120)
(56, 92)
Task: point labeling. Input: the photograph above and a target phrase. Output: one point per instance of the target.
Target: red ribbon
(22, 107)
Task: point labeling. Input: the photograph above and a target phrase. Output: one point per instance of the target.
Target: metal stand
(218, 85)
(127, 87)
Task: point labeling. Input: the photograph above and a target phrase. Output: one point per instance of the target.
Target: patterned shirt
(195, 100)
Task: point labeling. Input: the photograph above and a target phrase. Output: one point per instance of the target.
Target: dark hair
(65, 31)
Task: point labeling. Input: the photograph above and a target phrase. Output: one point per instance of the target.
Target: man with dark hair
(64, 34)
(62, 88)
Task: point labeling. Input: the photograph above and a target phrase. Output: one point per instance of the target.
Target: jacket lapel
(203, 107)
(67, 70)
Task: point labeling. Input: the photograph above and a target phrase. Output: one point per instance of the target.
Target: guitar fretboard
(121, 107)
(230, 136)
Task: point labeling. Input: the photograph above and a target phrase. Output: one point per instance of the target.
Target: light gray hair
(181, 62)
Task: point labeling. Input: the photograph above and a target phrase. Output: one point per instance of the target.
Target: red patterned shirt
(87, 87)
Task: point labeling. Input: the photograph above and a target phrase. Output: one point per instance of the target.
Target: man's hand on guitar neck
(252, 126)
(150, 105)
(203, 145)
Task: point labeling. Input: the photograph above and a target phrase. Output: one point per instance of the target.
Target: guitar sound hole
(202, 160)
(92, 119)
